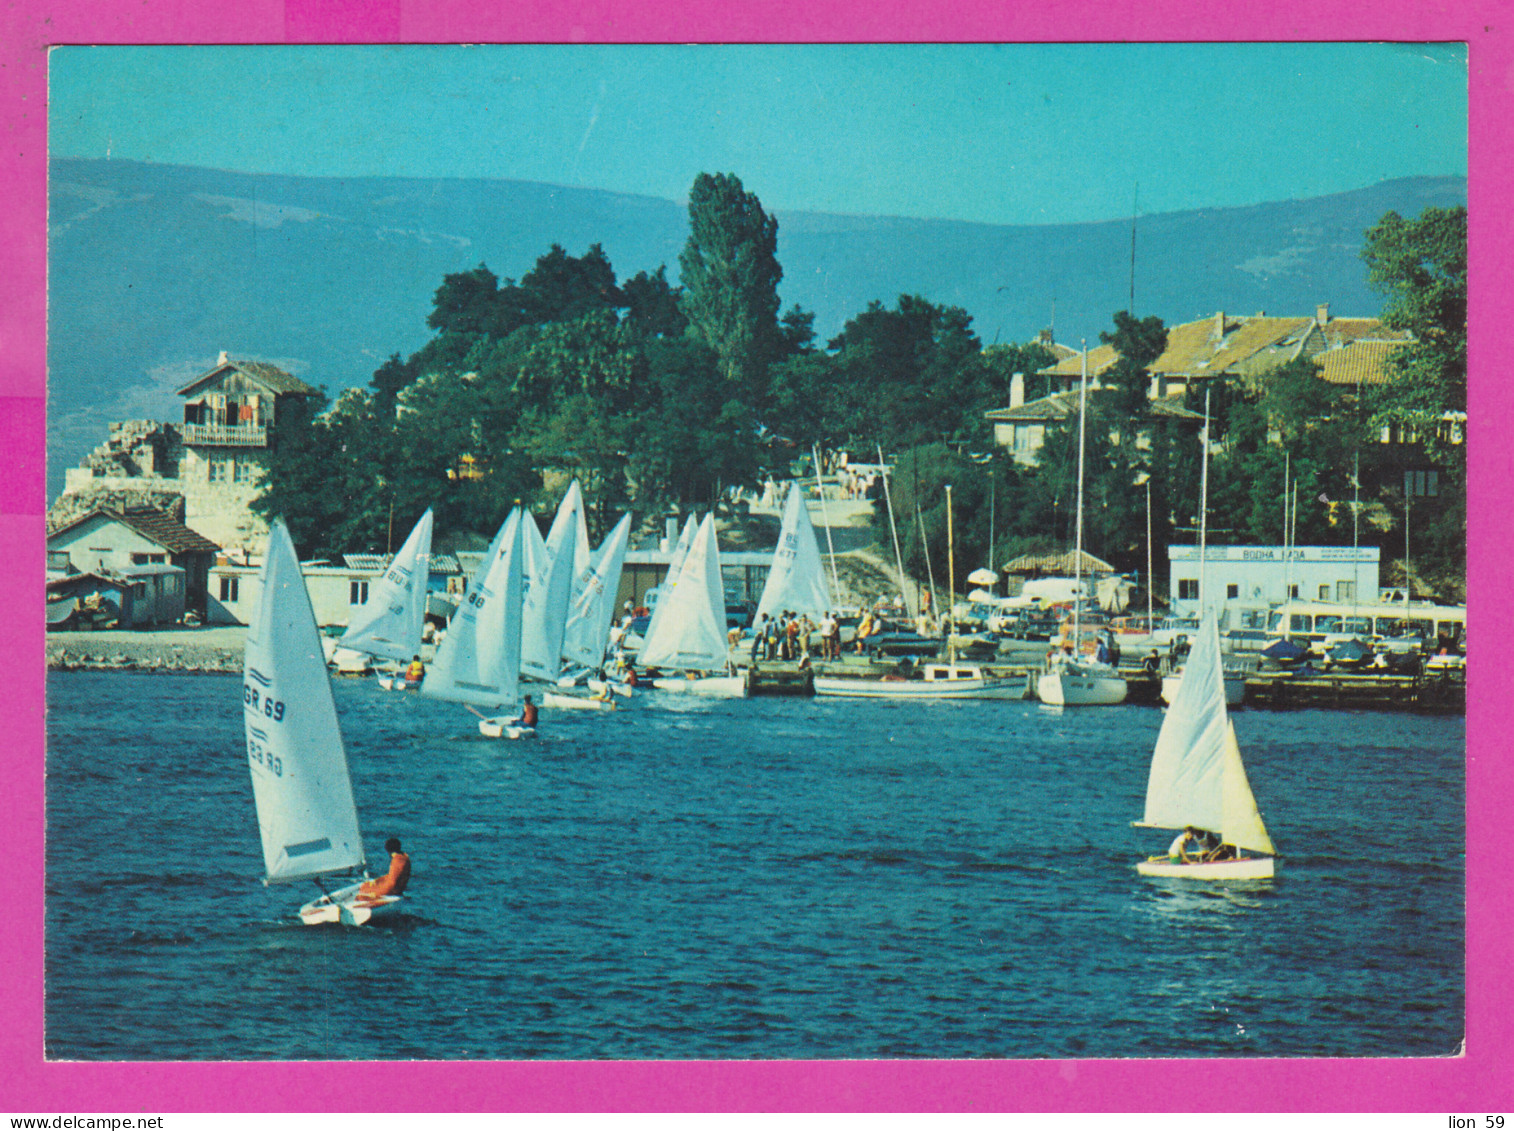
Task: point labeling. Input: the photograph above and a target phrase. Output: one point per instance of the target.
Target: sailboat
(675, 565)
(550, 567)
(478, 663)
(796, 579)
(300, 782)
(1197, 778)
(690, 633)
(391, 623)
(1071, 680)
(589, 615)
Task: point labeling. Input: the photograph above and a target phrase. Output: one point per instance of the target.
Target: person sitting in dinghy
(1178, 852)
(416, 671)
(528, 713)
(395, 880)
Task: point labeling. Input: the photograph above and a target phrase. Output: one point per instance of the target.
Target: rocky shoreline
(212, 650)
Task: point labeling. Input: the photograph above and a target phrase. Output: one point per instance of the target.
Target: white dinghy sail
(593, 605)
(670, 580)
(691, 636)
(796, 580)
(391, 623)
(1197, 777)
(550, 568)
(300, 782)
(478, 662)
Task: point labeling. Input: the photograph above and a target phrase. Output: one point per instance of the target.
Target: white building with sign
(1245, 581)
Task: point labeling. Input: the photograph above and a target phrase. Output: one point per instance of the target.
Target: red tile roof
(1363, 362)
(155, 526)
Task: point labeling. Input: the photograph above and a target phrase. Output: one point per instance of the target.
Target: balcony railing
(226, 435)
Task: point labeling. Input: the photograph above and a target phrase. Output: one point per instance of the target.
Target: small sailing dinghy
(1198, 780)
(478, 663)
(300, 783)
(690, 634)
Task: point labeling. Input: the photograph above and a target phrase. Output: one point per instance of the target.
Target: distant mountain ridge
(153, 269)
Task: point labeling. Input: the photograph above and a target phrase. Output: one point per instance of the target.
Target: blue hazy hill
(153, 269)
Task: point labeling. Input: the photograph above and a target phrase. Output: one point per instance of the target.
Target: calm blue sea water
(757, 879)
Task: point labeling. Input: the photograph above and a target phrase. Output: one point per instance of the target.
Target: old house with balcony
(214, 461)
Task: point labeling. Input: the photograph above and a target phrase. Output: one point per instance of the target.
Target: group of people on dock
(787, 636)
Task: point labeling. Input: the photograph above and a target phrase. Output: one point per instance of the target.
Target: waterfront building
(1246, 582)
(213, 462)
(132, 542)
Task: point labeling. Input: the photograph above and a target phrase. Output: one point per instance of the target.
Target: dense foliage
(662, 397)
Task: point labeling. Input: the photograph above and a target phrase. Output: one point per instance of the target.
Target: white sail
(390, 624)
(479, 659)
(1197, 777)
(549, 577)
(691, 634)
(593, 606)
(300, 782)
(796, 581)
(670, 579)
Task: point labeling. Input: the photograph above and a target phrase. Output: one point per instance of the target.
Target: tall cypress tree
(730, 274)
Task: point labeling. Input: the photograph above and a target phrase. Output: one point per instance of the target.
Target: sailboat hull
(717, 686)
(504, 728)
(1241, 868)
(575, 702)
(1076, 689)
(1235, 688)
(343, 906)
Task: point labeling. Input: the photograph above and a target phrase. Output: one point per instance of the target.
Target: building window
(242, 472)
(359, 594)
(1232, 592)
(229, 588)
(149, 559)
(1188, 589)
(1293, 592)
(1345, 591)
(1324, 592)
(1422, 484)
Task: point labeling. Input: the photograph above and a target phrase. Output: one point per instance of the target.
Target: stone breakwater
(179, 650)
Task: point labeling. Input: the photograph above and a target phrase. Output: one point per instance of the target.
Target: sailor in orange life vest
(395, 880)
(528, 713)
(416, 671)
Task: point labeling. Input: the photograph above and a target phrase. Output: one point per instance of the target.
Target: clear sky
(1013, 134)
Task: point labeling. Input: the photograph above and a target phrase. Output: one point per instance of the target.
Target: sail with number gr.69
(391, 623)
(478, 662)
(796, 581)
(593, 607)
(690, 634)
(300, 781)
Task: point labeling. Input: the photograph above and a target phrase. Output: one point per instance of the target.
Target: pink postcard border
(1481, 1080)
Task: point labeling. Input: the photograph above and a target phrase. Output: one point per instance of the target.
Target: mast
(826, 515)
(1204, 507)
(930, 571)
(893, 529)
(1287, 557)
(1077, 585)
(1150, 577)
(951, 568)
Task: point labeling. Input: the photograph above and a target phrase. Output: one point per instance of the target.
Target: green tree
(1420, 266)
(1138, 342)
(730, 274)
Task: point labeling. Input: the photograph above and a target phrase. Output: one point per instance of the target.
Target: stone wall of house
(145, 463)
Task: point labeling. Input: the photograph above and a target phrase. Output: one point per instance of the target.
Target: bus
(1321, 622)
